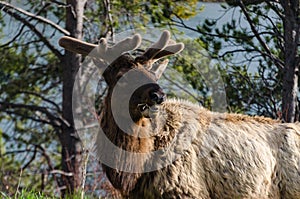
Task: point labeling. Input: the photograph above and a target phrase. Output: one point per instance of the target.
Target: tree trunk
(291, 60)
(71, 144)
(106, 19)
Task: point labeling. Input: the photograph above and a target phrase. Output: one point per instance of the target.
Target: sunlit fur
(253, 157)
(218, 155)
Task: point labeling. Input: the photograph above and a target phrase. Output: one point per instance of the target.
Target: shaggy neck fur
(124, 181)
(218, 155)
(157, 132)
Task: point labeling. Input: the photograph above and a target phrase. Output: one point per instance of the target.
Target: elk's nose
(157, 97)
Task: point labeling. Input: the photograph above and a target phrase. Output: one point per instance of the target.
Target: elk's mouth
(144, 107)
(148, 110)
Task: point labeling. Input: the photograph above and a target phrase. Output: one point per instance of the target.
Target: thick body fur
(191, 151)
(220, 155)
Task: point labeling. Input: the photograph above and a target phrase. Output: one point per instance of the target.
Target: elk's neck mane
(125, 181)
(120, 138)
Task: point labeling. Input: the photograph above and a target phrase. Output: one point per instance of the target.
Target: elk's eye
(142, 107)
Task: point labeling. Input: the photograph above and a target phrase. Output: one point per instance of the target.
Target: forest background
(254, 45)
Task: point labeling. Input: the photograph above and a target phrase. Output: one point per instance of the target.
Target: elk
(192, 152)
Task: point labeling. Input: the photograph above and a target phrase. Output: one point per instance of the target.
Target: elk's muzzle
(157, 97)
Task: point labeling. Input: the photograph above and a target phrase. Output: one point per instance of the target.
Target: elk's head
(122, 71)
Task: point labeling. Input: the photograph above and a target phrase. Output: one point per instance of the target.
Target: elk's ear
(160, 68)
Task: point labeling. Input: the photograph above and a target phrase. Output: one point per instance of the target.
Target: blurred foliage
(252, 79)
(31, 81)
(193, 64)
(31, 73)
(138, 14)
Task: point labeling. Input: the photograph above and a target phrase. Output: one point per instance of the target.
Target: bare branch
(59, 3)
(61, 173)
(183, 88)
(58, 121)
(7, 6)
(14, 38)
(39, 148)
(18, 151)
(275, 9)
(43, 121)
(181, 24)
(31, 159)
(33, 28)
(43, 98)
(236, 51)
(246, 2)
(46, 156)
(276, 61)
(108, 16)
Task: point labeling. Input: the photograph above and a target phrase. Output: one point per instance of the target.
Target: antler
(163, 47)
(102, 50)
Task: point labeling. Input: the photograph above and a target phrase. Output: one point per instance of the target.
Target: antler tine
(169, 50)
(105, 54)
(156, 47)
(163, 47)
(76, 46)
(103, 51)
(109, 54)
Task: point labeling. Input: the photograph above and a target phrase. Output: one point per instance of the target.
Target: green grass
(25, 194)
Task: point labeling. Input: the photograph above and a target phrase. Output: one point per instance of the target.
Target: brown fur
(216, 155)
(245, 118)
(254, 157)
(229, 156)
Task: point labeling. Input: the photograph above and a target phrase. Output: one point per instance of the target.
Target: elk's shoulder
(181, 105)
(240, 118)
(188, 109)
